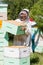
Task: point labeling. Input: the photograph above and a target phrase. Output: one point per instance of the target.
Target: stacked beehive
(15, 29)
(3, 42)
(17, 55)
(7, 26)
(3, 34)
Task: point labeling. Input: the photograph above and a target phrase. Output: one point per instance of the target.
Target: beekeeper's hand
(23, 28)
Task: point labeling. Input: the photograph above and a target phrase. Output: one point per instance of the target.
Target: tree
(37, 13)
(15, 6)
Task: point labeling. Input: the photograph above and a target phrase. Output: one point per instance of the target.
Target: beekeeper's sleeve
(28, 29)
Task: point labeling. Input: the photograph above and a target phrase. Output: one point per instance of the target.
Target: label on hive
(0, 23)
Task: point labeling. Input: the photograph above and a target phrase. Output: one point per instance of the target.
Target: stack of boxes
(4, 28)
(13, 55)
(17, 55)
(3, 43)
(3, 38)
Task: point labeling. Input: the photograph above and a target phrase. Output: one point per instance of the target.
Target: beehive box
(15, 61)
(1, 55)
(1, 63)
(2, 33)
(17, 51)
(13, 27)
(3, 42)
(3, 11)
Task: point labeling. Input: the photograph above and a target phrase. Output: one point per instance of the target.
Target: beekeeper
(20, 40)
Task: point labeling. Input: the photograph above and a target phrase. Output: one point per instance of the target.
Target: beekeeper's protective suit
(23, 39)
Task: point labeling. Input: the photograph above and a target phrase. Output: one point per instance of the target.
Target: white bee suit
(25, 40)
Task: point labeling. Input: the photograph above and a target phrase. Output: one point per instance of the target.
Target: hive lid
(16, 46)
(16, 23)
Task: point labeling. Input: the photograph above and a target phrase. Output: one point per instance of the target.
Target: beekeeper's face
(23, 15)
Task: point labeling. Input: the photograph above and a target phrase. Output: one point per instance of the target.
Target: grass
(36, 59)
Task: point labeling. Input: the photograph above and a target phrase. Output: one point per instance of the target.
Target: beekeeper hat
(26, 10)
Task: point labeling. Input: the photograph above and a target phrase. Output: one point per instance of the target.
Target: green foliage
(37, 13)
(36, 59)
(15, 6)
